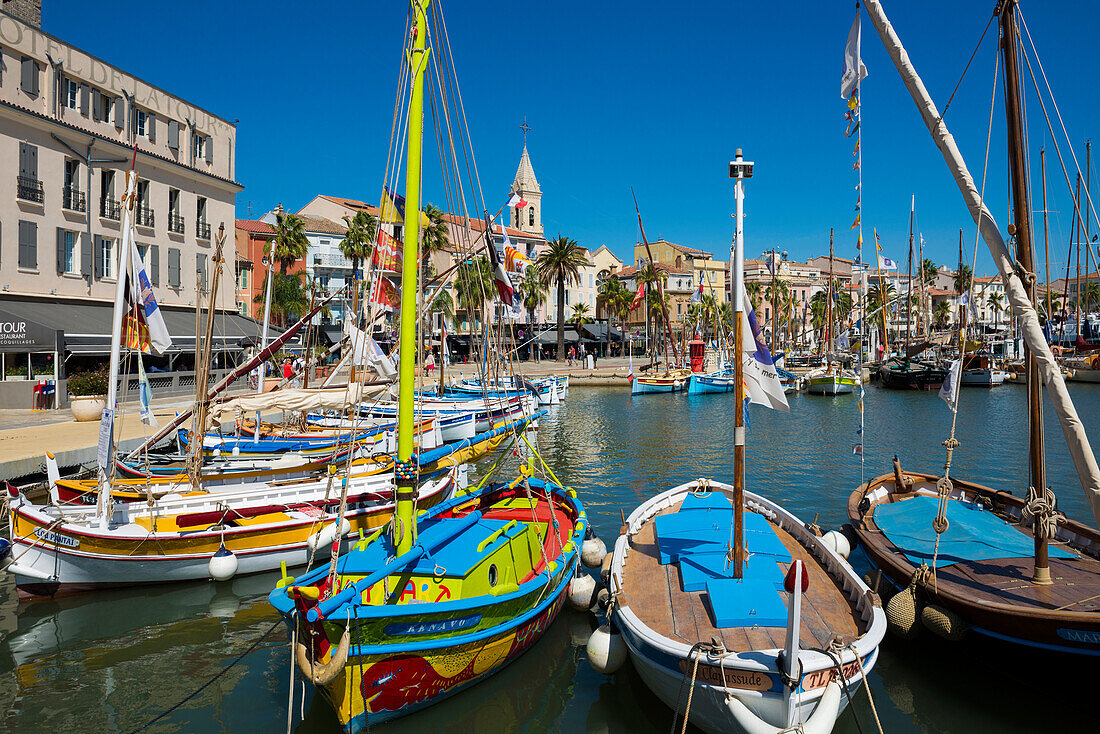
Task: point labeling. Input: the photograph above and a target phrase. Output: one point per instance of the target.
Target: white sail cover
(301, 400)
(1074, 431)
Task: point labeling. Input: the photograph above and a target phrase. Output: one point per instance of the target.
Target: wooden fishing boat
(684, 617)
(901, 373)
(671, 381)
(396, 630)
(714, 382)
(967, 556)
(830, 380)
(981, 370)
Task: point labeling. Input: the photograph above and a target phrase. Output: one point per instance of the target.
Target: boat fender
(5, 548)
(605, 569)
(593, 551)
(582, 591)
(836, 542)
(606, 649)
(877, 582)
(902, 613)
(943, 622)
(223, 564)
(821, 721)
(321, 674)
(324, 537)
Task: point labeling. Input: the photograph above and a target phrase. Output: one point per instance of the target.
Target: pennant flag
(378, 359)
(445, 352)
(144, 324)
(857, 450)
(964, 298)
(638, 296)
(500, 275)
(951, 383)
(516, 200)
(387, 253)
(854, 70)
(761, 378)
(855, 223)
(630, 375)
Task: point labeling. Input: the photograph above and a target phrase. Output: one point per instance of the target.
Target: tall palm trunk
(561, 318)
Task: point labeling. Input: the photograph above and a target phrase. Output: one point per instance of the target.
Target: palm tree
(560, 264)
(754, 291)
(290, 242)
(288, 296)
(1090, 294)
(963, 278)
(942, 314)
(709, 306)
(995, 301)
(358, 242)
(878, 300)
(929, 271)
(434, 237)
(607, 295)
(533, 295)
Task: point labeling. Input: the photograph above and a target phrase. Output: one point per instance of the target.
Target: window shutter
(173, 267)
(98, 258)
(209, 149)
(24, 155)
(154, 264)
(201, 261)
(120, 114)
(28, 80)
(28, 244)
(32, 161)
(60, 250)
(97, 105)
(85, 254)
(151, 127)
(174, 135)
(85, 92)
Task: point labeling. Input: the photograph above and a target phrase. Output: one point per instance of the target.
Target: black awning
(21, 334)
(87, 325)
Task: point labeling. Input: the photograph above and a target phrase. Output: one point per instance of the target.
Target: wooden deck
(654, 593)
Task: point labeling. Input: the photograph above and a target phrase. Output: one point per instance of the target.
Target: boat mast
(1077, 279)
(909, 278)
(1046, 229)
(829, 301)
(739, 170)
(1088, 224)
(202, 368)
(774, 304)
(667, 337)
(1025, 259)
(404, 467)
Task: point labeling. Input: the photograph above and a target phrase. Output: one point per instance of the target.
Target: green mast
(405, 468)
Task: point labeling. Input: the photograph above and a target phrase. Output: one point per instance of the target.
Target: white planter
(87, 407)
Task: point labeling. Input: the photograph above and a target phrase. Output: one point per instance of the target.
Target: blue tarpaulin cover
(973, 533)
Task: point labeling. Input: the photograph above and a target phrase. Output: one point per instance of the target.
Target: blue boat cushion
(697, 569)
(459, 555)
(701, 529)
(973, 533)
(748, 602)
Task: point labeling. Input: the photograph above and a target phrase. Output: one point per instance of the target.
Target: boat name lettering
(751, 680)
(821, 678)
(432, 628)
(1090, 637)
(56, 538)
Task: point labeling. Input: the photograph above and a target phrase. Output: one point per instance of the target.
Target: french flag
(500, 275)
(516, 200)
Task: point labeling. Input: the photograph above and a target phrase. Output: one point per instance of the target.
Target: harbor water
(111, 662)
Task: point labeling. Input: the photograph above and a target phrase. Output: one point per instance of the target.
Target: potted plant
(87, 394)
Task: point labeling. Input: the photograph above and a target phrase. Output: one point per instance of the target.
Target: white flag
(852, 61)
(885, 263)
(951, 384)
(762, 384)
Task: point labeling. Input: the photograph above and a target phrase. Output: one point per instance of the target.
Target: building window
(71, 90)
(70, 261)
(198, 144)
(200, 262)
(140, 122)
(173, 267)
(531, 216)
(175, 219)
(202, 227)
(567, 298)
(242, 279)
(106, 253)
(28, 244)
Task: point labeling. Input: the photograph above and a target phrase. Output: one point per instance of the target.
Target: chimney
(28, 11)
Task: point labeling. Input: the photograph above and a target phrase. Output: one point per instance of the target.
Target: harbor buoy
(324, 537)
(593, 550)
(901, 613)
(943, 622)
(223, 564)
(582, 591)
(606, 649)
(837, 542)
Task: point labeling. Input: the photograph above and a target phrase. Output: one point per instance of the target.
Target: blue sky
(620, 95)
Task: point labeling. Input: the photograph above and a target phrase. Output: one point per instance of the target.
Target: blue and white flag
(885, 263)
(762, 383)
(145, 394)
(951, 384)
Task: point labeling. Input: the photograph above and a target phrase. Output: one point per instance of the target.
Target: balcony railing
(202, 229)
(175, 223)
(29, 189)
(143, 216)
(109, 208)
(73, 199)
(331, 260)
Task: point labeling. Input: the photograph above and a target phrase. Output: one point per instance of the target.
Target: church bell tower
(528, 218)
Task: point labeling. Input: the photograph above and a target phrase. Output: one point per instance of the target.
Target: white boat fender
(324, 537)
(321, 674)
(593, 550)
(582, 591)
(820, 722)
(223, 564)
(606, 649)
(837, 542)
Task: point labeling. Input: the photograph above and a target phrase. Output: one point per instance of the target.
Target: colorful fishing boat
(902, 373)
(672, 381)
(714, 382)
(830, 380)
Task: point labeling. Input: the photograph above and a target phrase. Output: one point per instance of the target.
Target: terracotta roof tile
(321, 225)
(254, 226)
